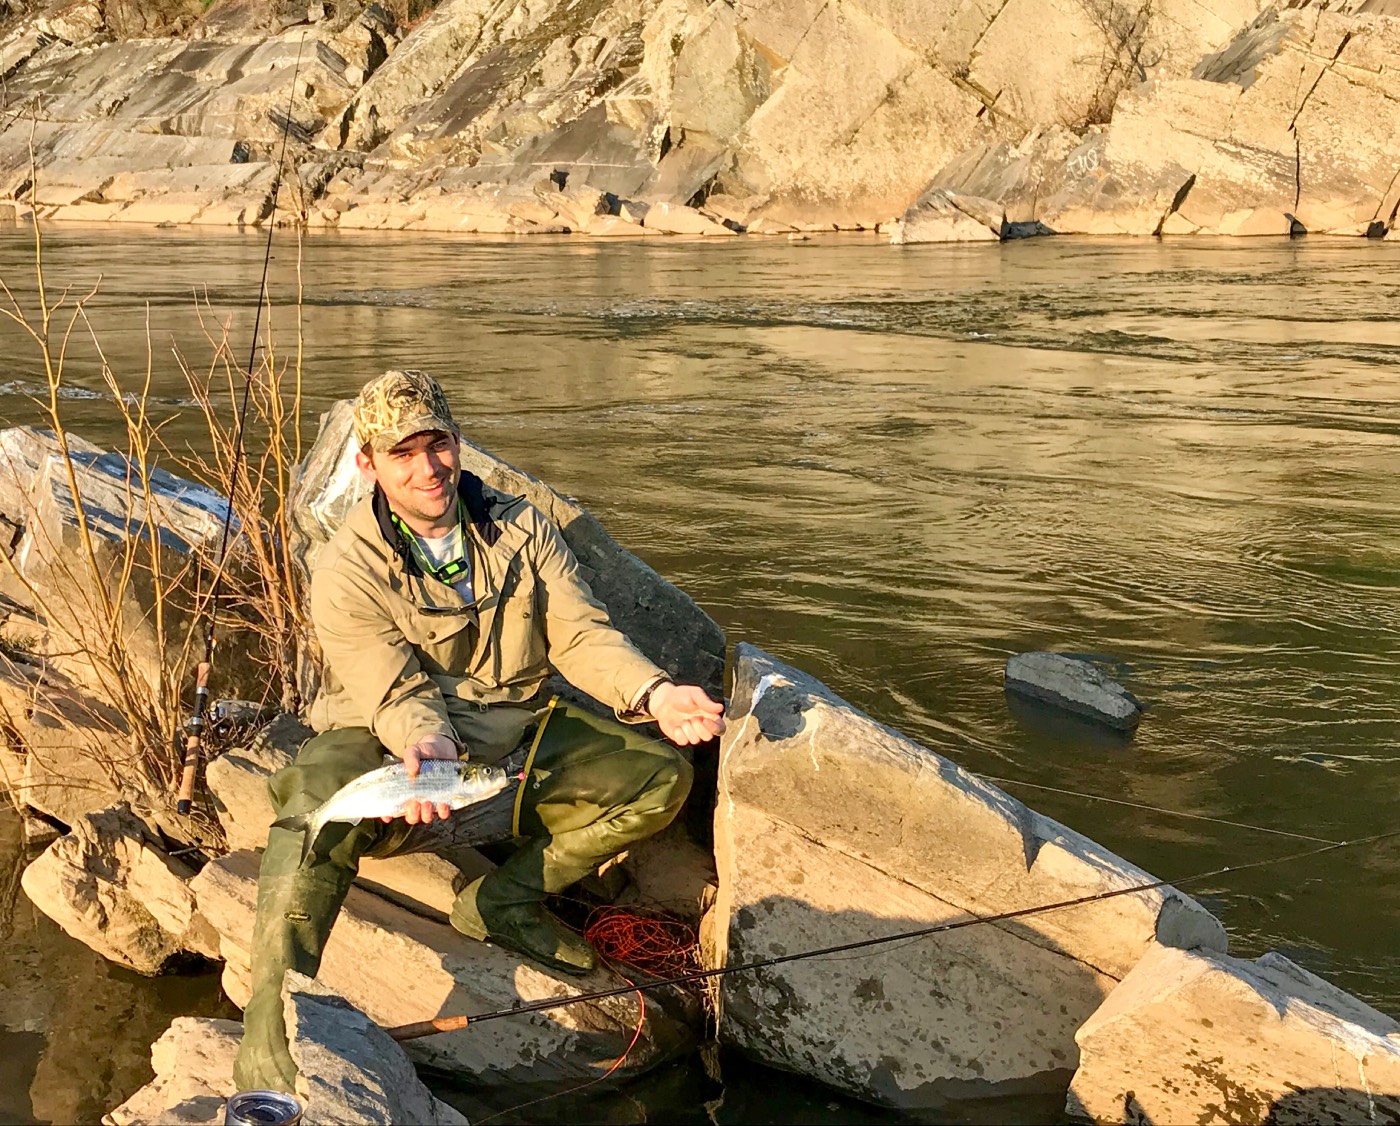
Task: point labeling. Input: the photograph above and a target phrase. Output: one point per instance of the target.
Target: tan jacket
(407, 656)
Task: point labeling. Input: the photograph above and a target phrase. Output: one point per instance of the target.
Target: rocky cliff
(677, 116)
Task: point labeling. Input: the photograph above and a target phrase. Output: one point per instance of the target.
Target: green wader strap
(529, 762)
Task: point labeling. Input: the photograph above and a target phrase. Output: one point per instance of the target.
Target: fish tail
(301, 823)
(295, 823)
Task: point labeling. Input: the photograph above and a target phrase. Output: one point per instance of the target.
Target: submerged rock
(832, 828)
(1075, 685)
(399, 967)
(1195, 1036)
(108, 884)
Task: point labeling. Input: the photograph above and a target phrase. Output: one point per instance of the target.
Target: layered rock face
(1071, 116)
(831, 829)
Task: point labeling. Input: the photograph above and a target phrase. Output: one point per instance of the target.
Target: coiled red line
(651, 941)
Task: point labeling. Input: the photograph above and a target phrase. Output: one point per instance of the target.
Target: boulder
(671, 219)
(352, 1073)
(108, 884)
(1075, 685)
(832, 828)
(237, 780)
(1195, 1036)
(65, 754)
(399, 968)
(24, 450)
(941, 215)
(656, 616)
(84, 563)
(193, 1065)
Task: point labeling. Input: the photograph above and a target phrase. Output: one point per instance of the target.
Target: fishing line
(194, 726)
(451, 1024)
(1158, 809)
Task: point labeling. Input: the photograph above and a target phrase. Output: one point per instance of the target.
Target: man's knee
(670, 783)
(324, 764)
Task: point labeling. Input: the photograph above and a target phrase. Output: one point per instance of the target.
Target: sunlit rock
(237, 780)
(109, 885)
(399, 967)
(1196, 1036)
(670, 219)
(944, 216)
(832, 828)
(350, 1070)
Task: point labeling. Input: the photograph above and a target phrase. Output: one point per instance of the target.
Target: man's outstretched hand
(685, 714)
(414, 755)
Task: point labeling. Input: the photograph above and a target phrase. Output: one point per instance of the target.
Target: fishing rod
(194, 725)
(437, 1025)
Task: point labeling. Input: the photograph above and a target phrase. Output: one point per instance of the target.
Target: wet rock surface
(1075, 685)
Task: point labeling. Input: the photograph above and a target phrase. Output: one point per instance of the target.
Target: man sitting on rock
(440, 606)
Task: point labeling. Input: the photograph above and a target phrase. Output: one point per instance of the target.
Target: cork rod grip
(427, 1028)
(192, 739)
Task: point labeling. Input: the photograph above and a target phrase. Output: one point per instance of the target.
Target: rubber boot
(298, 903)
(581, 814)
(296, 909)
(525, 926)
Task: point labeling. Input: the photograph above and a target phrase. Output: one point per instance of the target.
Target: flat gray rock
(1075, 685)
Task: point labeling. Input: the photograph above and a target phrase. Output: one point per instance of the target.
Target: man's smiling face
(419, 477)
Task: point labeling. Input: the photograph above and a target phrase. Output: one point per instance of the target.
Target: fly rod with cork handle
(438, 1025)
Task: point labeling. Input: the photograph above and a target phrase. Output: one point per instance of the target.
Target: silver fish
(388, 792)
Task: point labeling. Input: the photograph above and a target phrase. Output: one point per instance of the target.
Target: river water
(894, 467)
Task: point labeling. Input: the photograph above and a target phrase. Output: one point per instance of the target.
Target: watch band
(644, 700)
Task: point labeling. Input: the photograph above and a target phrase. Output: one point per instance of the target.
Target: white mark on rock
(765, 682)
(812, 743)
(1366, 1086)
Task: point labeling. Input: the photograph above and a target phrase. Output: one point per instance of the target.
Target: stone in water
(1075, 685)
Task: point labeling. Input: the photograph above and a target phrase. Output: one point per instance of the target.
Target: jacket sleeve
(589, 652)
(372, 659)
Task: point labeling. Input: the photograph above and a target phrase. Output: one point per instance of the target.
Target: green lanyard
(451, 571)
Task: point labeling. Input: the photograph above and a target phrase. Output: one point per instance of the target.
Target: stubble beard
(414, 506)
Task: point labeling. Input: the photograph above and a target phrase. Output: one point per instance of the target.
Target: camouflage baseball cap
(397, 404)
